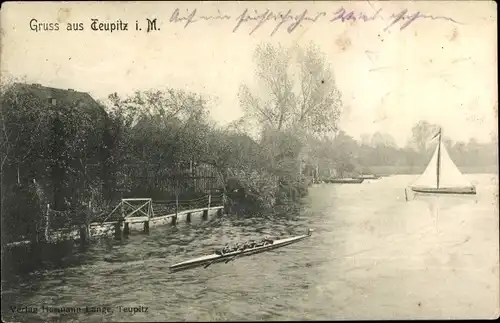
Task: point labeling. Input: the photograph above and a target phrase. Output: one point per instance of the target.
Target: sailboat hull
(445, 190)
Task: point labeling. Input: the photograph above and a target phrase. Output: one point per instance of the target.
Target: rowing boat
(345, 180)
(371, 176)
(215, 258)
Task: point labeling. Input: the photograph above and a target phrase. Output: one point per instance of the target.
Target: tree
(473, 149)
(345, 153)
(307, 100)
(296, 97)
(156, 132)
(422, 132)
(319, 100)
(365, 139)
(275, 106)
(448, 142)
(378, 140)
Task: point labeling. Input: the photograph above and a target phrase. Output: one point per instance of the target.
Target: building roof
(62, 96)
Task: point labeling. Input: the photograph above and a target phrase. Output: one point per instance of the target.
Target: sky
(437, 69)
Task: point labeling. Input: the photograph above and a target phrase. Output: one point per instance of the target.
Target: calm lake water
(372, 256)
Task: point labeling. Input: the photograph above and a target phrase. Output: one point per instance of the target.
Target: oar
(231, 259)
(212, 262)
(215, 260)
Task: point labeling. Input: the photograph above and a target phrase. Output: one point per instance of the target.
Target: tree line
(80, 156)
(379, 153)
(63, 149)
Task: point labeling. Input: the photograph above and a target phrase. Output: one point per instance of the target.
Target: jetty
(131, 215)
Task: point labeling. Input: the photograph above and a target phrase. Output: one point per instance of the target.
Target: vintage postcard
(244, 161)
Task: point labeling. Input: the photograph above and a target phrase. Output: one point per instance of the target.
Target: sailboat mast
(438, 164)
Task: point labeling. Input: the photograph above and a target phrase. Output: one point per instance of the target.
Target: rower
(225, 249)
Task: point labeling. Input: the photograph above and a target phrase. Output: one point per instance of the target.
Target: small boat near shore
(370, 176)
(344, 180)
(226, 257)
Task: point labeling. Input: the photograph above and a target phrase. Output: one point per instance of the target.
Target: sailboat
(442, 175)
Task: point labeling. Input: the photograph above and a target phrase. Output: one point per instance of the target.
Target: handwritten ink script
(292, 20)
(251, 20)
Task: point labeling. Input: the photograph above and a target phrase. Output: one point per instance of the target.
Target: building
(42, 122)
(55, 97)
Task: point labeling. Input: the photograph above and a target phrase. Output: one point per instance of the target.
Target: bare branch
(316, 106)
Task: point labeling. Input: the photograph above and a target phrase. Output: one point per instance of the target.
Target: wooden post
(36, 237)
(146, 223)
(225, 204)
(174, 219)
(46, 236)
(118, 230)
(191, 172)
(83, 234)
(126, 229)
(209, 200)
(188, 218)
(205, 215)
(219, 212)
(176, 204)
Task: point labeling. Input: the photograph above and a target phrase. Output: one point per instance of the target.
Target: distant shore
(414, 170)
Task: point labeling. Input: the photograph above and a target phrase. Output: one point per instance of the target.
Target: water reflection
(370, 250)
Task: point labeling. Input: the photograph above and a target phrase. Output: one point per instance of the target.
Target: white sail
(429, 176)
(449, 175)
